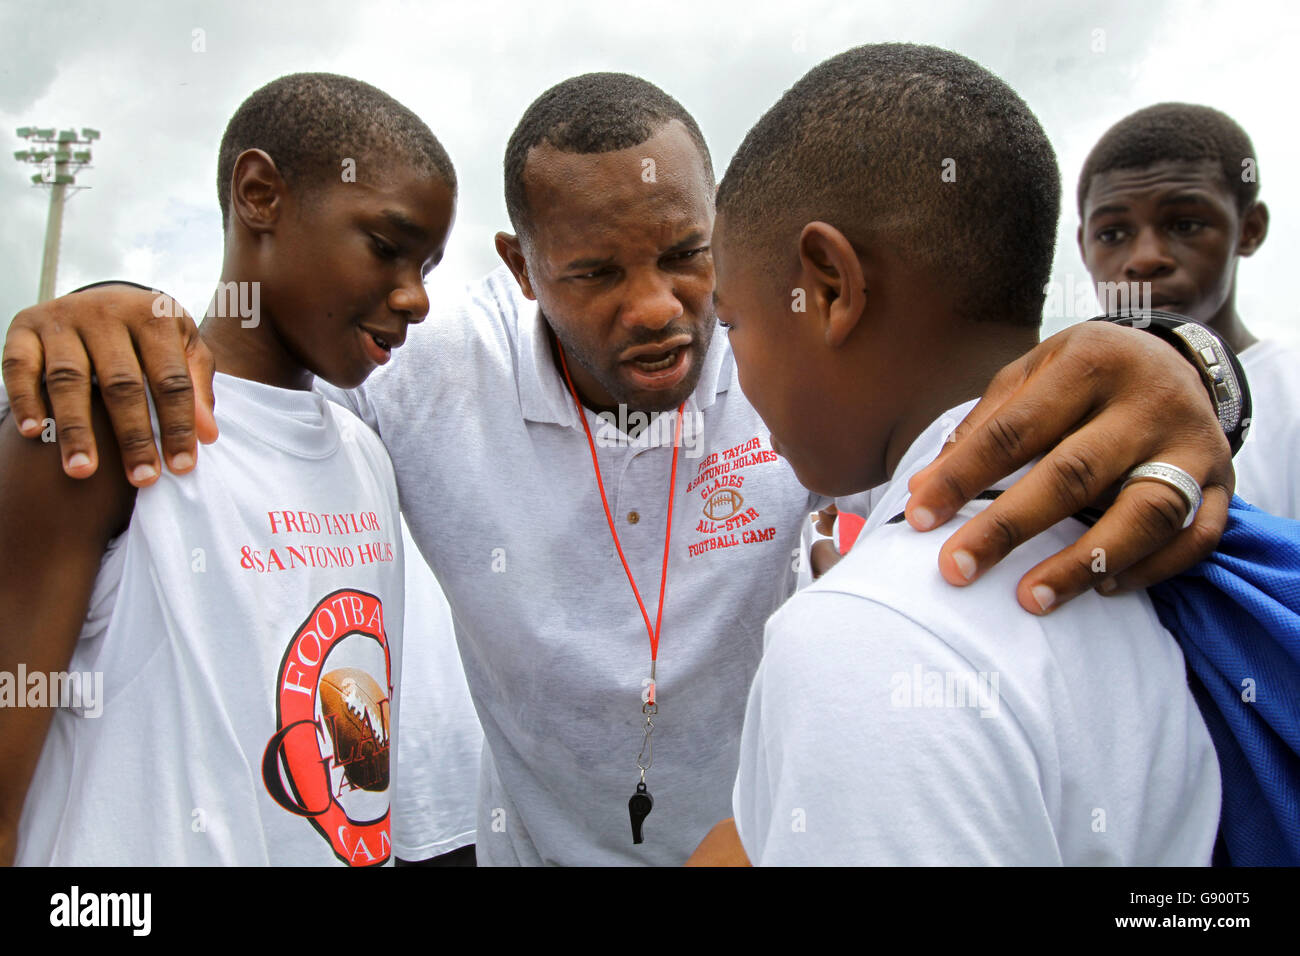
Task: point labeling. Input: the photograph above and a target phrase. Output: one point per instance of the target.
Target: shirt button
(633, 517)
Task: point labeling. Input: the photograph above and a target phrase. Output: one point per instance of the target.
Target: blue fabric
(1237, 617)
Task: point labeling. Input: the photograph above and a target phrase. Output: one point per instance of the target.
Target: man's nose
(651, 301)
(1149, 257)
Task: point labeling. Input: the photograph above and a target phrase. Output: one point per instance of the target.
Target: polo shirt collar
(544, 397)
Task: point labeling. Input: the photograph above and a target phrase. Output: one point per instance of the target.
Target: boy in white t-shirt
(1169, 199)
(905, 201)
(226, 643)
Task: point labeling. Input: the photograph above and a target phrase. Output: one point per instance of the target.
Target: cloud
(132, 70)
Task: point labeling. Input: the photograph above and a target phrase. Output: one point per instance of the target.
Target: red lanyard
(672, 485)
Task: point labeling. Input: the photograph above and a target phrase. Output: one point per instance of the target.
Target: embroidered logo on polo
(723, 504)
(727, 520)
(329, 758)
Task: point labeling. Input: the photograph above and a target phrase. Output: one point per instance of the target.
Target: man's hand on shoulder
(1095, 401)
(135, 342)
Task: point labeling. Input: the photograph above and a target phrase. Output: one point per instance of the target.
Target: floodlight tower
(60, 160)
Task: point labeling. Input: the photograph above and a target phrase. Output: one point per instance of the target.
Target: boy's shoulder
(1271, 370)
(886, 598)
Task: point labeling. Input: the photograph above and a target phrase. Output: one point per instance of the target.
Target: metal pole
(53, 234)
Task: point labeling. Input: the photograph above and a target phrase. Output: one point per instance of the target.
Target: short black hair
(1178, 132)
(308, 123)
(591, 113)
(863, 141)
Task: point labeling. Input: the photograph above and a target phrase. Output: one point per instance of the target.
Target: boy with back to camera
(893, 720)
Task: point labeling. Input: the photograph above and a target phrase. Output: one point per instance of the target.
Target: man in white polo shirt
(610, 188)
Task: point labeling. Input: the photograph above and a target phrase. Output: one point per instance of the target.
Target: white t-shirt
(497, 484)
(898, 720)
(248, 627)
(1268, 465)
(435, 807)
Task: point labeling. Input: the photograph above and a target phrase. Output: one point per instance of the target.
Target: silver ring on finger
(1175, 478)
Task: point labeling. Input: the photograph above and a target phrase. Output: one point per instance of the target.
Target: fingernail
(965, 562)
(1044, 595)
(27, 425)
(1108, 586)
(922, 519)
(79, 460)
(182, 461)
(144, 473)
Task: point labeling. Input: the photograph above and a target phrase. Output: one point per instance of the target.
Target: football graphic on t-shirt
(356, 711)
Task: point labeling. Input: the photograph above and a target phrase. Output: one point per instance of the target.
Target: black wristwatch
(1219, 368)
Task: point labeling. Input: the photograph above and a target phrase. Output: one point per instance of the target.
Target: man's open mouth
(649, 363)
(659, 368)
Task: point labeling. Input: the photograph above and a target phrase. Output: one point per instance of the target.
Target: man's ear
(258, 193)
(511, 250)
(1254, 229)
(833, 281)
(1078, 237)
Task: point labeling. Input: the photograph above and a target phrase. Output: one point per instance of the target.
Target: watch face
(1217, 364)
(1210, 356)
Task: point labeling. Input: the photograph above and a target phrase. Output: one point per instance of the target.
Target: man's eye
(1109, 235)
(725, 326)
(383, 247)
(1188, 227)
(601, 273)
(687, 254)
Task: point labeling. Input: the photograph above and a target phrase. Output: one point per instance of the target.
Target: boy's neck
(242, 339)
(952, 377)
(1230, 327)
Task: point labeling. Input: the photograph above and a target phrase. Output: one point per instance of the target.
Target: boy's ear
(1254, 229)
(833, 280)
(257, 191)
(511, 250)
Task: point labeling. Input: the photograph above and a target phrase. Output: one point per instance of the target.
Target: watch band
(1214, 360)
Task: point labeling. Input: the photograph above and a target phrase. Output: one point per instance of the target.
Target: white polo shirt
(1268, 465)
(898, 720)
(497, 485)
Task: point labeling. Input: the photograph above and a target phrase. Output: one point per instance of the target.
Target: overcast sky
(469, 68)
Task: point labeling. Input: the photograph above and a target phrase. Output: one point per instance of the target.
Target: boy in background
(1170, 196)
(245, 617)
